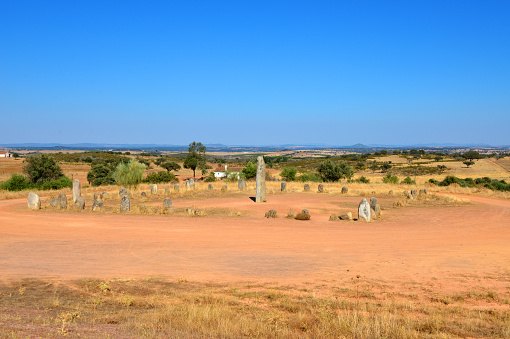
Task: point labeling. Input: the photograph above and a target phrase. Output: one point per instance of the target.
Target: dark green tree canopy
(331, 171)
(196, 157)
(250, 170)
(42, 168)
(171, 166)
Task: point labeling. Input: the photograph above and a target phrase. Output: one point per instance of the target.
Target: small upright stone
(80, 203)
(241, 185)
(191, 183)
(373, 202)
(154, 189)
(283, 186)
(320, 188)
(167, 204)
(33, 201)
(224, 188)
(390, 192)
(167, 190)
(176, 187)
(260, 188)
(62, 199)
(76, 189)
(406, 193)
(97, 195)
(271, 214)
(54, 202)
(123, 192)
(425, 191)
(97, 205)
(345, 190)
(420, 192)
(125, 204)
(105, 195)
(307, 188)
(210, 187)
(377, 210)
(364, 210)
(414, 193)
(143, 194)
(333, 217)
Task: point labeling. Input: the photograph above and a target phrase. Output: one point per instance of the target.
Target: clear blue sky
(336, 72)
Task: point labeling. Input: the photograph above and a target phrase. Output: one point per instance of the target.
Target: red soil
(451, 246)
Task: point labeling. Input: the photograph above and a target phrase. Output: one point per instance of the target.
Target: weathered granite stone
(241, 184)
(33, 201)
(364, 210)
(377, 210)
(210, 187)
(224, 188)
(191, 183)
(98, 195)
(186, 184)
(390, 192)
(97, 205)
(346, 216)
(62, 200)
(54, 202)
(154, 189)
(176, 187)
(307, 188)
(406, 193)
(420, 192)
(167, 204)
(373, 202)
(76, 189)
(143, 194)
(290, 215)
(333, 217)
(105, 195)
(283, 186)
(305, 211)
(80, 203)
(320, 188)
(125, 204)
(414, 193)
(345, 190)
(260, 189)
(271, 214)
(425, 191)
(372, 214)
(123, 192)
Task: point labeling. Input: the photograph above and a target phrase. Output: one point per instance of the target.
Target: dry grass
(155, 308)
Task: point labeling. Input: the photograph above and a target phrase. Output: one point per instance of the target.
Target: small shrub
(390, 179)
(56, 184)
(289, 173)
(250, 170)
(159, 177)
(361, 180)
(210, 177)
(16, 182)
(310, 177)
(408, 181)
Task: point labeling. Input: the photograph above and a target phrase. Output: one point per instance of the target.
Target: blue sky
(331, 72)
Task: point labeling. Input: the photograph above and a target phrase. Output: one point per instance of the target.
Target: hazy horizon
(255, 74)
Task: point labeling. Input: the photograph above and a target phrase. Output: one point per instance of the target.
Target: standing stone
(79, 203)
(76, 190)
(224, 188)
(143, 194)
(320, 188)
(364, 210)
(123, 192)
(345, 190)
(373, 202)
(406, 193)
(176, 187)
(241, 185)
(186, 184)
(261, 180)
(167, 204)
(425, 191)
(284, 186)
(414, 193)
(210, 187)
(154, 189)
(54, 202)
(167, 190)
(125, 204)
(97, 195)
(62, 199)
(377, 210)
(191, 184)
(390, 192)
(97, 205)
(333, 217)
(33, 201)
(105, 194)
(307, 188)
(421, 192)
(373, 215)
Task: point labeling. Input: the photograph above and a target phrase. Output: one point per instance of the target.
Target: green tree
(331, 171)
(471, 155)
(408, 181)
(196, 157)
(170, 166)
(390, 179)
(130, 174)
(289, 173)
(385, 167)
(100, 174)
(42, 168)
(250, 170)
(468, 163)
(374, 167)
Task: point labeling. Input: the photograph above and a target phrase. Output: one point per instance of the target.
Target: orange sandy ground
(447, 248)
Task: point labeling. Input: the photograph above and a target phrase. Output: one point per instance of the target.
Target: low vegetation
(493, 184)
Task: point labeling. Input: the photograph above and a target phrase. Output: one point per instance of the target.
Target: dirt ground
(457, 247)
